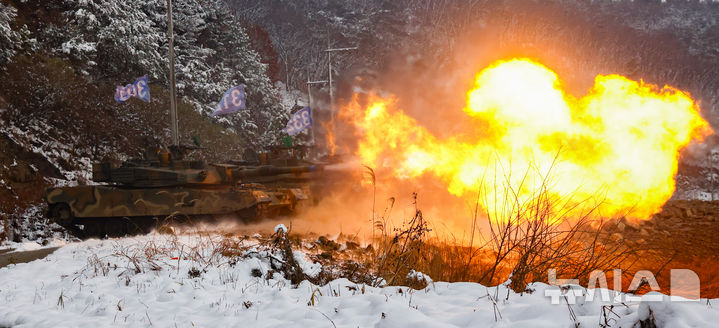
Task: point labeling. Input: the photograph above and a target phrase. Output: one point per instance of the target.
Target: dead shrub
(195, 272)
(543, 231)
(528, 235)
(288, 265)
(401, 254)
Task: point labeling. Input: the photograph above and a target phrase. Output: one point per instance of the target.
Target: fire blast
(618, 145)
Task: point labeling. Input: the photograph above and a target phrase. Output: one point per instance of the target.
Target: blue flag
(299, 121)
(139, 89)
(232, 101)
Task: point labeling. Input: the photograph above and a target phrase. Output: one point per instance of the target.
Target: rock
(322, 240)
(616, 237)
(22, 173)
(621, 226)
(351, 245)
(632, 225)
(328, 243)
(644, 232)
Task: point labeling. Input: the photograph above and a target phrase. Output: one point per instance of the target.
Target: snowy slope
(228, 282)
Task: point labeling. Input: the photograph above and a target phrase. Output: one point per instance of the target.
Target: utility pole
(711, 172)
(309, 104)
(173, 106)
(329, 75)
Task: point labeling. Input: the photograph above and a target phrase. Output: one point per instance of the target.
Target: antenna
(309, 101)
(329, 75)
(173, 106)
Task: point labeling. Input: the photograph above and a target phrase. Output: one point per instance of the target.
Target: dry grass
(528, 235)
(402, 253)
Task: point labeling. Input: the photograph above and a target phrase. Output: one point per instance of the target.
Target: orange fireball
(619, 143)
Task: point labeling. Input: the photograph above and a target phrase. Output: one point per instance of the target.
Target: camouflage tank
(139, 192)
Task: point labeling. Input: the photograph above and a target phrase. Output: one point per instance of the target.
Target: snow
(10, 39)
(68, 47)
(673, 314)
(147, 280)
(28, 229)
(290, 98)
(52, 150)
(418, 276)
(281, 227)
(308, 267)
(32, 245)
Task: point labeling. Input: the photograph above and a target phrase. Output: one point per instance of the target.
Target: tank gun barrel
(269, 170)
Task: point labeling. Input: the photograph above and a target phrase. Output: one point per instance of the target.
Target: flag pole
(309, 104)
(173, 105)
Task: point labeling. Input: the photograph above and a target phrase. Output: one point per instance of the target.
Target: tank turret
(171, 169)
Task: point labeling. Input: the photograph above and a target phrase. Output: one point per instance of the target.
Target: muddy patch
(8, 257)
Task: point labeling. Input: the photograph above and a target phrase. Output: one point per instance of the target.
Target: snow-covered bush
(10, 39)
(215, 281)
(113, 38)
(119, 40)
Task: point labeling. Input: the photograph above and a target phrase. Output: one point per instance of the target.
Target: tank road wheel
(170, 223)
(62, 215)
(140, 225)
(253, 213)
(93, 227)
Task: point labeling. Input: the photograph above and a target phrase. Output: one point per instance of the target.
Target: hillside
(60, 64)
(428, 51)
(61, 61)
(476, 163)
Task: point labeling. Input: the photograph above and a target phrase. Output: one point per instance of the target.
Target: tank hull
(144, 192)
(111, 201)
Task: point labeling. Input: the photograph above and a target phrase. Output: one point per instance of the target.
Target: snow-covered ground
(214, 281)
(32, 245)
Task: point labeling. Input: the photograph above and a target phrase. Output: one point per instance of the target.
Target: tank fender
(298, 194)
(261, 196)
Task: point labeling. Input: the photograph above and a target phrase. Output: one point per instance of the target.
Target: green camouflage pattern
(172, 186)
(109, 201)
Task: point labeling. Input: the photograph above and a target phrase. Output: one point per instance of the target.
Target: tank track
(102, 227)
